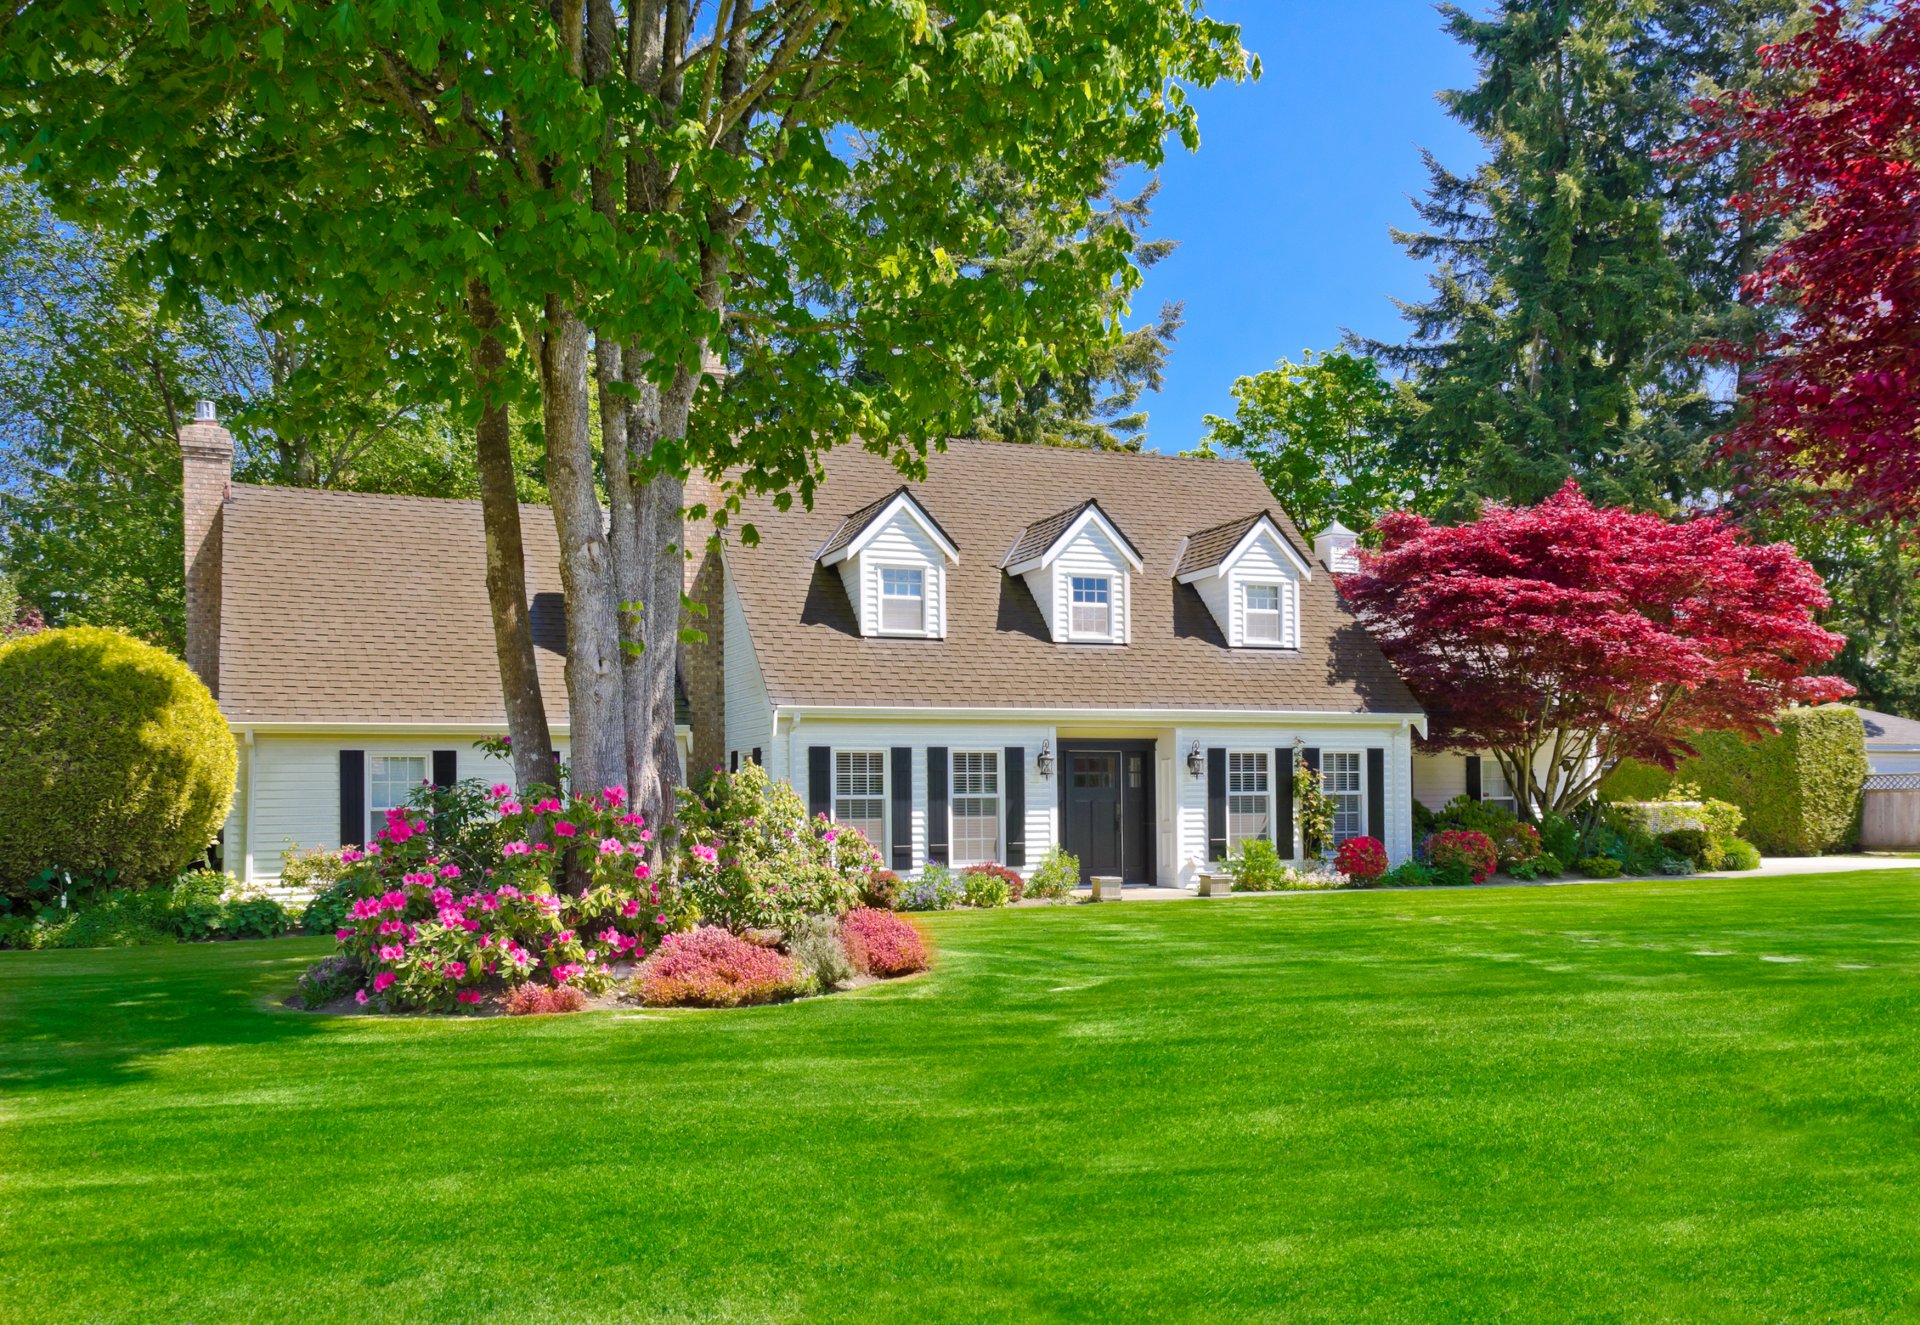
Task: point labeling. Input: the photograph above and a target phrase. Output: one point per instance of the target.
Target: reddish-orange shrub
(533, 1000)
(882, 943)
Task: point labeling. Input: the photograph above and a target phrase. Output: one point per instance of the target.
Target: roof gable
(1044, 540)
(860, 528)
(1213, 551)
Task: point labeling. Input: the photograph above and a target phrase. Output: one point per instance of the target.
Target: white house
(1124, 654)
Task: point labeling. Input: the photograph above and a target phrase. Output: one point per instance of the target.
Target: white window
(975, 807)
(1249, 798)
(1340, 779)
(1092, 607)
(1262, 615)
(1494, 788)
(860, 793)
(391, 781)
(903, 600)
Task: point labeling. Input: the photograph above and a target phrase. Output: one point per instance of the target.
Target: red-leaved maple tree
(1835, 395)
(1566, 637)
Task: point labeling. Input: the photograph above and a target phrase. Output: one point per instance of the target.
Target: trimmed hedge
(1800, 790)
(113, 757)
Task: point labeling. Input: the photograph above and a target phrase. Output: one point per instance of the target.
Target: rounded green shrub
(1740, 855)
(113, 757)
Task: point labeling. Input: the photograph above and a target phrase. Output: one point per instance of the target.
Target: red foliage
(882, 943)
(1628, 630)
(1016, 886)
(529, 999)
(1836, 396)
(1361, 858)
(713, 968)
(1466, 847)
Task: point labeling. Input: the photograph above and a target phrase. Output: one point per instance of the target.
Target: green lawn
(1535, 1103)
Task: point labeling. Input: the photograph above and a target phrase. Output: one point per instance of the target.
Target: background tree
(1322, 434)
(1566, 637)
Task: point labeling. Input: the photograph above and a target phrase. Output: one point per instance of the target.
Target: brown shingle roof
(1210, 547)
(350, 607)
(997, 652)
(1037, 537)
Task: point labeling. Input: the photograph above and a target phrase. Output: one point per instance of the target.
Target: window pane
(1092, 612)
(1494, 787)
(1262, 615)
(1340, 774)
(975, 806)
(902, 599)
(860, 793)
(391, 779)
(1249, 806)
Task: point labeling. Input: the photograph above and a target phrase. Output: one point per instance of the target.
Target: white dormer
(1338, 548)
(893, 557)
(1251, 577)
(1079, 567)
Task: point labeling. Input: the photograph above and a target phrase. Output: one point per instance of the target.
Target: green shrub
(323, 875)
(198, 904)
(328, 979)
(1057, 875)
(1740, 855)
(815, 946)
(255, 918)
(935, 890)
(1674, 865)
(113, 756)
(1258, 868)
(754, 858)
(1546, 865)
(1799, 790)
(1464, 814)
(1694, 845)
(880, 890)
(1408, 874)
(1559, 836)
(984, 887)
(1599, 867)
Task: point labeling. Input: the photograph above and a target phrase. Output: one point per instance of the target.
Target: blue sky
(1282, 215)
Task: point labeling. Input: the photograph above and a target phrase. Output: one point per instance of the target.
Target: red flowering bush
(427, 932)
(882, 943)
(1361, 859)
(713, 968)
(531, 1000)
(1463, 851)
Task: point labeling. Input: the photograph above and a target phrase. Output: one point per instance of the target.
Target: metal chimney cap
(204, 412)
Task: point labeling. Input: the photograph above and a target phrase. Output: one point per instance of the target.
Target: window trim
(1000, 805)
(425, 757)
(1360, 754)
(1095, 637)
(1282, 600)
(886, 787)
(1273, 808)
(880, 627)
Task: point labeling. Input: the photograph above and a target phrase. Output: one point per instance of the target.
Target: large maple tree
(1566, 637)
(1834, 395)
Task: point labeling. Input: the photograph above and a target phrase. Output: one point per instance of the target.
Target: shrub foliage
(880, 943)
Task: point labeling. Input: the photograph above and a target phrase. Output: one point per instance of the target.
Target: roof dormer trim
(852, 535)
(1261, 523)
(1087, 514)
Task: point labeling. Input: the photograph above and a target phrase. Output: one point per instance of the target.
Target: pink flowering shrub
(755, 860)
(430, 932)
(1361, 859)
(1463, 851)
(882, 943)
(531, 1000)
(712, 968)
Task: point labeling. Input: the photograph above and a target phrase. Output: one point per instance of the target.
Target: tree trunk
(621, 420)
(506, 553)
(586, 566)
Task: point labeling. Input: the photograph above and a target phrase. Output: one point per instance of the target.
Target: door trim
(1148, 830)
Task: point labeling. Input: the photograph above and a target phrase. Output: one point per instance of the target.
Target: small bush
(328, 979)
(531, 1000)
(1409, 874)
(713, 968)
(935, 890)
(1675, 865)
(1694, 845)
(986, 885)
(755, 860)
(1057, 875)
(113, 757)
(1516, 844)
(1464, 814)
(1546, 865)
(1361, 859)
(1599, 867)
(1559, 836)
(1462, 851)
(255, 918)
(1740, 855)
(1016, 886)
(879, 943)
(881, 889)
(1258, 868)
(814, 943)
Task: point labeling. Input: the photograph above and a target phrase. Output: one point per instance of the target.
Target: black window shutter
(820, 780)
(1216, 804)
(1283, 802)
(936, 805)
(902, 790)
(1377, 794)
(756, 757)
(1013, 776)
(446, 767)
(1310, 757)
(1473, 777)
(733, 761)
(353, 798)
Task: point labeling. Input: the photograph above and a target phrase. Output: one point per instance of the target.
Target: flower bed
(713, 968)
(880, 943)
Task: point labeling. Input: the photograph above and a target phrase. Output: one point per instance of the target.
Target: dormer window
(893, 557)
(1078, 566)
(1248, 572)
(903, 600)
(1092, 607)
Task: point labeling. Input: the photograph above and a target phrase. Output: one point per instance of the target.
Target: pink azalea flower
(564, 829)
(449, 871)
(468, 996)
(642, 870)
(390, 952)
(509, 807)
(381, 981)
(630, 908)
(632, 820)
(352, 855)
(541, 846)
(611, 846)
(660, 920)
(706, 855)
(547, 806)
(564, 973)
(344, 934)
(360, 997)
(614, 796)
(515, 849)
(646, 835)
(499, 791)
(456, 970)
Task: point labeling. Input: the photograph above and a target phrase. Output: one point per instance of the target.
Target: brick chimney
(206, 462)
(701, 663)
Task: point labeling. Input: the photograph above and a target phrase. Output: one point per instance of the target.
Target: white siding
(749, 717)
(1438, 778)
(899, 542)
(1090, 552)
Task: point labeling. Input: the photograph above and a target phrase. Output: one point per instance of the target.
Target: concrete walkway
(1770, 867)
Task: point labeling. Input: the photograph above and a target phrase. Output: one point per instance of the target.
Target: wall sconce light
(1044, 760)
(1196, 762)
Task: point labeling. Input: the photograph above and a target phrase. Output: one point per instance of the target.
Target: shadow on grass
(93, 1017)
